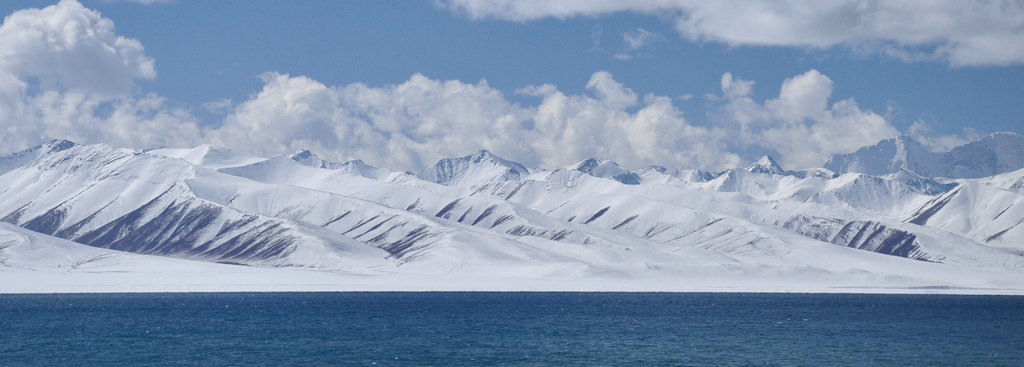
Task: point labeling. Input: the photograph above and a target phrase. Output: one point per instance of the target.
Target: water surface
(472, 329)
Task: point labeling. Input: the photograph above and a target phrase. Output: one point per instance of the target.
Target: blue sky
(398, 83)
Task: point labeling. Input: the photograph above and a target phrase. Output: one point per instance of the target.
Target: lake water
(474, 329)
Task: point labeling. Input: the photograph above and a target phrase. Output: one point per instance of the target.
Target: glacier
(893, 217)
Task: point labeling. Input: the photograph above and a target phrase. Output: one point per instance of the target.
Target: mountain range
(890, 217)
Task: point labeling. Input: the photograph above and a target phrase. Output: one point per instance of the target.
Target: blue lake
(473, 329)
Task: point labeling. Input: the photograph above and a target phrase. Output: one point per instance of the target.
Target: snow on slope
(766, 165)
(569, 197)
(32, 262)
(35, 263)
(143, 203)
(13, 161)
(607, 169)
(578, 211)
(886, 157)
(483, 166)
(209, 156)
(27, 250)
(672, 215)
(412, 221)
(1010, 181)
(481, 216)
(983, 213)
(307, 158)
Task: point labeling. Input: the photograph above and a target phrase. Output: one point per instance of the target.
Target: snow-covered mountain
(605, 168)
(485, 217)
(766, 165)
(991, 155)
(483, 166)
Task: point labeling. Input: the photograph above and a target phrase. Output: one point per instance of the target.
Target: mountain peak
(307, 158)
(483, 154)
(885, 157)
(15, 160)
(992, 154)
(486, 155)
(302, 153)
(606, 168)
(57, 145)
(589, 164)
(358, 163)
(766, 165)
(477, 168)
(209, 156)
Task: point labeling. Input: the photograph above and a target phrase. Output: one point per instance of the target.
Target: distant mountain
(307, 158)
(209, 156)
(150, 203)
(993, 154)
(358, 167)
(481, 167)
(484, 217)
(766, 165)
(13, 161)
(605, 168)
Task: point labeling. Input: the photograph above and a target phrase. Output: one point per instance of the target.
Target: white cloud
(64, 73)
(802, 97)
(964, 33)
(408, 125)
(412, 124)
(638, 38)
(68, 47)
(799, 124)
(612, 93)
(405, 126)
(596, 34)
(129, 122)
(634, 41)
(923, 133)
(219, 107)
(568, 128)
(734, 88)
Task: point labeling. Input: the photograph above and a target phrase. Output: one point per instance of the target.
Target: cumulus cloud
(69, 47)
(412, 124)
(404, 126)
(130, 122)
(570, 127)
(964, 33)
(799, 124)
(64, 73)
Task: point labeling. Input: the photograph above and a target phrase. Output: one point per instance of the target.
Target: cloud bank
(64, 73)
(411, 125)
(963, 33)
(800, 124)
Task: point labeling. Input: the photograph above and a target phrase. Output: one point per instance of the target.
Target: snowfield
(91, 218)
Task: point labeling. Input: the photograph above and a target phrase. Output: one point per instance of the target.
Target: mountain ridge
(481, 214)
(992, 154)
